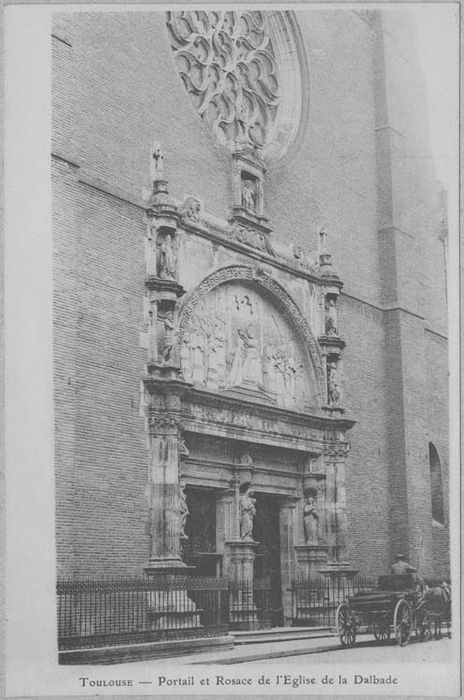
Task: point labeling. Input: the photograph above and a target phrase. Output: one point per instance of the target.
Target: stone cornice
(315, 419)
(216, 233)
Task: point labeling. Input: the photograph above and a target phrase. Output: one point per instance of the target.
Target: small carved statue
(311, 521)
(322, 241)
(247, 514)
(169, 336)
(167, 258)
(192, 209)
(248, 195)
(332, 384)
(331, 318)
(183, 511)
(156, 163)
(183, 449)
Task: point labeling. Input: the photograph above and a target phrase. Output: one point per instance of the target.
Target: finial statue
(311, 521)
(322, 241)
(156, 163)
(247, 514)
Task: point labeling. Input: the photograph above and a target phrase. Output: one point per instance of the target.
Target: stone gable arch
(276, 297)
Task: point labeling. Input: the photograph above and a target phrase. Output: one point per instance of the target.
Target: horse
(437, 602)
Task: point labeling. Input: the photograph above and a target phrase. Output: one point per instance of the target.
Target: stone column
(225, 526)
(287, 554)
(165, 498)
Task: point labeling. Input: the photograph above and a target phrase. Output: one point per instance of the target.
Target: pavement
(258, 651)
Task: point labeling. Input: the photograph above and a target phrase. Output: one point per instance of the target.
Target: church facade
(249, 296)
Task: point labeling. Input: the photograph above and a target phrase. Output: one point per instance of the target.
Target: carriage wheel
(381, 631)
(402, 622)
(346, 625)
(423, 625)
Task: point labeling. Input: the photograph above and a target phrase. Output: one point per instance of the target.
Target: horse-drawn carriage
(397, 605)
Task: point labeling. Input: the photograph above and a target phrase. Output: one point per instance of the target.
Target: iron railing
(315, 600)
(96, 612)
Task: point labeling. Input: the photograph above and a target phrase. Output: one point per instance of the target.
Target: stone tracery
(227, 63)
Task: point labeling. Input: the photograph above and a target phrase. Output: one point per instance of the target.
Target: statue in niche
(247, 514)
(156, 163)
(169, 336)
(333, 389)
(183, 511)
(311, 521)
(167, 258)
(248, 195)
(331, 318)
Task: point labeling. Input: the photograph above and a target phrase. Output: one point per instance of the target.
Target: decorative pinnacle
(156, 163)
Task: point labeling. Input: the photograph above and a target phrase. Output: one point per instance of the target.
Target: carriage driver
(401, 566)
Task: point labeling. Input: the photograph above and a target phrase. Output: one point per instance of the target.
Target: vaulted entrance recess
(243, 397)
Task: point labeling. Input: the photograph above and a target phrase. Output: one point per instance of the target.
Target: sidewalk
(256, 651)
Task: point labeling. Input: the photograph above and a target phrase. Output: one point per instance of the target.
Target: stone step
(281, 634)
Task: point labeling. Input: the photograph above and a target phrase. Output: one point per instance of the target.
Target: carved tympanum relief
(242, 72)
(236, 338)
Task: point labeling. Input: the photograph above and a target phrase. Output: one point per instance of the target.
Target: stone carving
(183, 511)
(236, 338)
(167, 258)
(287, 307)
(248, 195)
(191, 210)
(247, 513)
(170, 336)
(156, 163)
(227, 64)
(304, 260)
(251, 237)
(333, 389)
(311, 521)
(331, 318)
(246, 366)
(183, 449)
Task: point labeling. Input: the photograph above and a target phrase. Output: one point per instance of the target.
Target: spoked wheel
(402, 622)
(346, 625)
(423, 625)
(381, 631)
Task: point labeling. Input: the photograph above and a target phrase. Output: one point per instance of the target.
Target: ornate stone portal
(236, 370)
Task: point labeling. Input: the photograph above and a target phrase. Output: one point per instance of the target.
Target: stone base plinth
(311, 558)
(338, 570)
(168, 603)
(243, 614)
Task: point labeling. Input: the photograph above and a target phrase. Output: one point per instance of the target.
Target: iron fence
(110, 612)
(315, 600)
